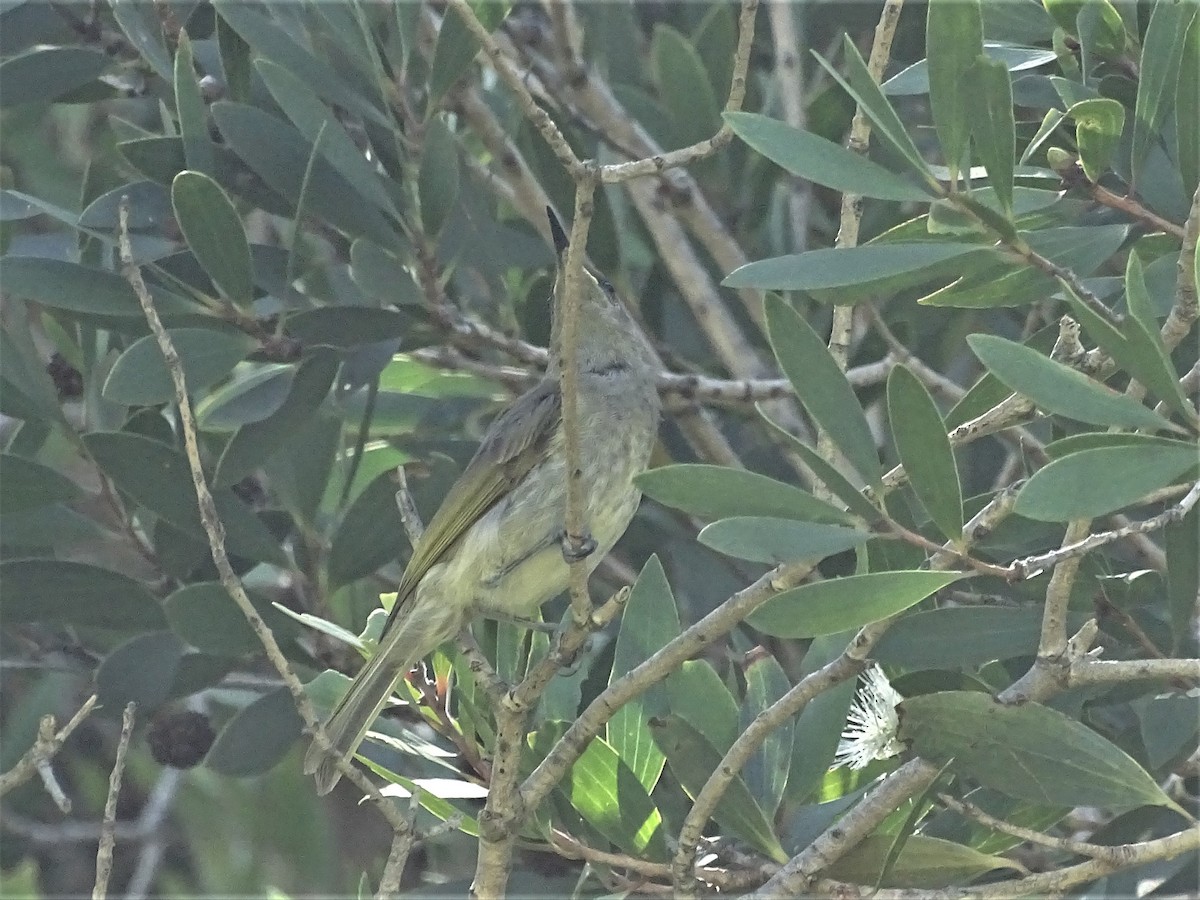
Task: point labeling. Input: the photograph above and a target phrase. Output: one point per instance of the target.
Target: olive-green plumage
(494, 546)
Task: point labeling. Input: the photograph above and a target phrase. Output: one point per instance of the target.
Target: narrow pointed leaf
(810, 156)
(773, 541)
(1162, 52)
(255, 442)
(924, 862)
(827, 607)
(990, 115)
(213, 231)
(717, 492)
(649, 621)
(955, 29)
(859, 84)
(924, 448)
(1093, 482)
(835, 481)
(692, 760)
(821, 386)
(1060, 389)
(1027, 751)
(139, 377)
(844, 267)
(74, 593)
(766, 772)
(193, 116)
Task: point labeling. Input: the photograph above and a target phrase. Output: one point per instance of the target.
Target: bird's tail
(354, 714)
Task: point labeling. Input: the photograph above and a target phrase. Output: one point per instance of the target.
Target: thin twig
(539, 118)
(1186, 307)
(104, 852)
(1030, 566)
(45, 746)
(409, 517)
(661, 162)
(402, 844)
(971, 811)
(575, 522)
(214, 528)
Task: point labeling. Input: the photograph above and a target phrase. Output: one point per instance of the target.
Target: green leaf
(960, 637)
(609, 797)
(250, 396)
(370, 535)
(205, 616)
(83, 289)
(158, 477)
(773, 541)
(347, 326)
(193, 116)
(683, 86)
(45, 74)
(818, 729)
(845, 266)
(649, 622)
(766, 772)
(924, 449)
(139, 377)
(1082, 250)
(696, 694)
(1135, 351)
(255, 442)
(28, 484)
(258, 737)
(142, 26)
(810, 156)
(692, 759)
(213, 231)
(924, 862)
(381, 275)
(827, 607)
(915, 79)
(1027, 751)
(456, 47)
(1098, 125)
(1187, 110)
(50, 590)
(1168, 725)
(279, 155)
(1162, 53)
(311, 117)
(859, 84)
(955, 29)
(141, 671)
(269, 41)
(1183, 575)
(834, 480)
(990, 116)
(1060, 389)
(1093, 482)
(717, 492)
(437, 182)
(821, 386)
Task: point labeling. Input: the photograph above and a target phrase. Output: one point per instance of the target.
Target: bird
(497, 544)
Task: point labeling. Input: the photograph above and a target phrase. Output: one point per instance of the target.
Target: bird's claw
(577, 547)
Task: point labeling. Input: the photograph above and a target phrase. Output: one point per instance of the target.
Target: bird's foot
(576, 546)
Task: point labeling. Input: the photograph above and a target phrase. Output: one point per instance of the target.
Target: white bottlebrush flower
(872, 725)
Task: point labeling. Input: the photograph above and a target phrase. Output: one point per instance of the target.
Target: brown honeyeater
(496, 545)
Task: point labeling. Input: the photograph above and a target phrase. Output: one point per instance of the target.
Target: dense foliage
(983, 477)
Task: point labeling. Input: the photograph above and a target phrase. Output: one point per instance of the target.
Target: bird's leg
(522, 622)
(576, 546)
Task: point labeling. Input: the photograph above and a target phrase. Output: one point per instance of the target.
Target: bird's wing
(517, 440)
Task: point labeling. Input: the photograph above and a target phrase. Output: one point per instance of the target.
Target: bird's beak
(558, 234)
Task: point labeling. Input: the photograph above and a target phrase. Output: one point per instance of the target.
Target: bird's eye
(606, 286)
